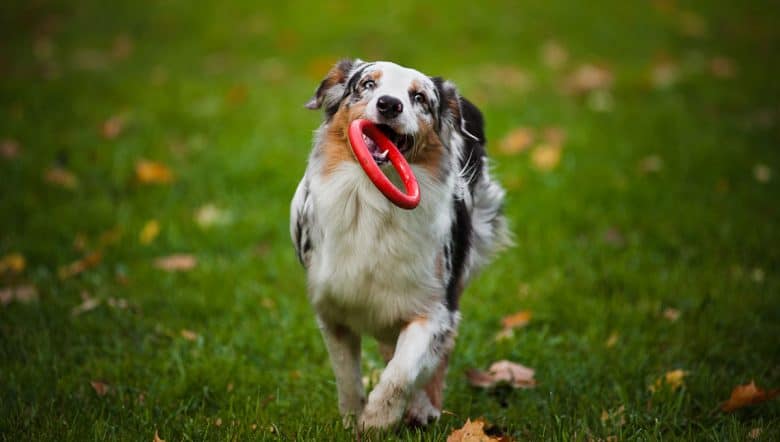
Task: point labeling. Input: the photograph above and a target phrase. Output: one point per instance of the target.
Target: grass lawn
(645, 210)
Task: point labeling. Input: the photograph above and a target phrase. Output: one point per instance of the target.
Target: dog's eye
(419, 98)
(369, 84)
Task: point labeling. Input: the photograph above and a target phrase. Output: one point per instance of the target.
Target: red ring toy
(408, 200)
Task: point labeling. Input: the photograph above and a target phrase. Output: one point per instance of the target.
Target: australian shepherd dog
(376, 269)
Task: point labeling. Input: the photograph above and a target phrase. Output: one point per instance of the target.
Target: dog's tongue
(372, 148)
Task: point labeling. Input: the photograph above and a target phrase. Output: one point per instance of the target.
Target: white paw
(384, 409)
(421, 412)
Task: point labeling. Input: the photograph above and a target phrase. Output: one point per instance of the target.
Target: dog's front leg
(418, 352)
(344, 351)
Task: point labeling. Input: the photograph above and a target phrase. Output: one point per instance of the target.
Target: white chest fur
(375, 264)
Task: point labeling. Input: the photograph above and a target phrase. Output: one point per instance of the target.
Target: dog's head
(418, 113)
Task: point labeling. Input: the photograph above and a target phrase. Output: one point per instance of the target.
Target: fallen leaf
(545, 157)
(112, 127)
(173, 263)
(149, 232)
(516, 141)
(671, 379)
(612, 340)
(516, 375)
(650, 164)
(237, 95)
(122, 47)
(474, 431)
(101, 388)
(157, 437)
(12, 263)
(497, 77)
(722, 67)
(757, 275)
(189, 335)
(23, 293)
(88, 303)
(9, 149)
(218, 422)
(110, 236)
(210, 215)
(554, 55)
(61, 177)
(664, 73)
(672, 314)
(76, 267)
(519, 319)
(229, 387)
(554, 135)
(747, 394)
(151, 172)
(613, 237)
(762, 173)
(588, 78)
(754, 433)
(616, 416)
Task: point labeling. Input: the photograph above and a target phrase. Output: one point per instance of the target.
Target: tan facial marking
(428, 151)
(336, 148)
(375, 75)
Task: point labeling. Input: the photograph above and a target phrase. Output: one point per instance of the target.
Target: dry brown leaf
(151, 172)
(472, 431)
(722, 67)
(189, 335)
(12, 263)
(218, 422)
(9, 149)
(101, 388)
(88, 303)
(149, 232)
(157, 437)
(588, 78)
(754, 433)
(671, 314)
(671, 379)
(112, 127)
(516, 140)
(650, 164)
(554, 135)
(554, 55)
(519, 319)
(76, 267)
(545, 157)
(516, 375)
(173, 263)
(747, 394)
(61, 177)
(664, 73)
(122, 47)
(762, 173)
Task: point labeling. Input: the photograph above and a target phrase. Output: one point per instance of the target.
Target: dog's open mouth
(401, 141)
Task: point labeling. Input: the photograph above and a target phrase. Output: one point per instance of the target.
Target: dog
(376, 269)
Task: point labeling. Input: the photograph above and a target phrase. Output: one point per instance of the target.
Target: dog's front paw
(421, 412)
(384, 409)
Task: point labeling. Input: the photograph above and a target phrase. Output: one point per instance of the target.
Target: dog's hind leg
(421, 347)
(344, 351)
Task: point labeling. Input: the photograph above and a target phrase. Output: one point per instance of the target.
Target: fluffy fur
(375, 269)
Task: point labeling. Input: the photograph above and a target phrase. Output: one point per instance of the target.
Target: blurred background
(149, 151)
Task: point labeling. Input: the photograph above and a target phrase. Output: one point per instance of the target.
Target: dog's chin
(403, 142)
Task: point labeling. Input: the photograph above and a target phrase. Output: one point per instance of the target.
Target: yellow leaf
(671, 379)
(189, 335)
(516, 141)
(546, 157)
(149, 232)
(12, 263)
(76, 267)
(473, 431)
(612, 340)
(151, 172)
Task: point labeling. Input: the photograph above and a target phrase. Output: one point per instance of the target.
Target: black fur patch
(460, 246)
(473, 150)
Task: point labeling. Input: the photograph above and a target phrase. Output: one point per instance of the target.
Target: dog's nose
(389, 106)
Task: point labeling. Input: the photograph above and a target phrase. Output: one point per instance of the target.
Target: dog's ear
(331, 89)
(460, 112)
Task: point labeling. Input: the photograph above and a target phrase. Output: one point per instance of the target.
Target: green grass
(215, 91)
